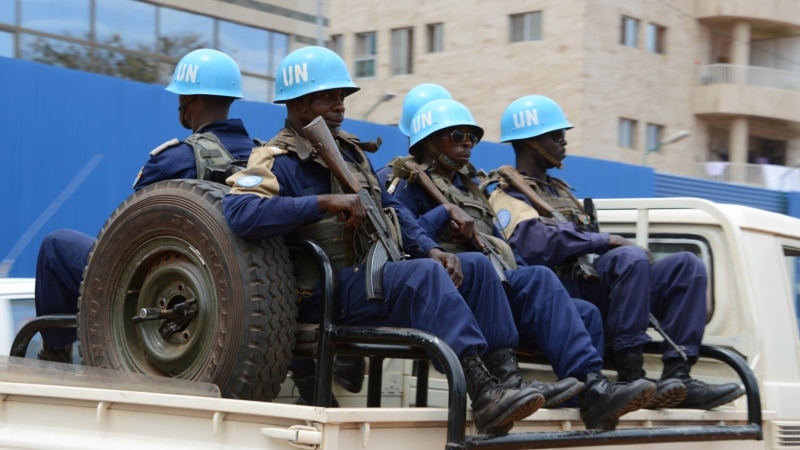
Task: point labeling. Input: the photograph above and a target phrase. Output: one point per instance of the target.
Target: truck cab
(16, 308)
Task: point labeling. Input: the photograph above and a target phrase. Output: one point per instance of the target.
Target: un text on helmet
(187, 72)
(421, 121)
(526, 118)
(296, 73)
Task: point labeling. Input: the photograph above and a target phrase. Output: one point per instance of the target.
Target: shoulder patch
(170, 143)
(249, 181)
(277, 151)
(503, 218)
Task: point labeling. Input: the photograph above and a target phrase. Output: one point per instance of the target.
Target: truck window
(662, 245)
(793, 269)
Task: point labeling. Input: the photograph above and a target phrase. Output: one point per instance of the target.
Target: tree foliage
(145, 63)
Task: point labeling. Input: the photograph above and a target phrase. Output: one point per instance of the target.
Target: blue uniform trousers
(550, 321)
(59, 272)
(419, 294)
(674, 289)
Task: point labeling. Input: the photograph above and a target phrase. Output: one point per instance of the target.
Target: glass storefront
(135, 40)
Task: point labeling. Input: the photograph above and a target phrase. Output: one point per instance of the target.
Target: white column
(737, 143)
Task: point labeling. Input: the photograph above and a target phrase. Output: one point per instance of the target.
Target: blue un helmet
(311, 69)
(418, 96)
(438, 115)
(207, 72)
(531, 116)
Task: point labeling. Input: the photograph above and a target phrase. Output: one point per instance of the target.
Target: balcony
(747, 91)
(783, 13)
(768, 176)
(749, 75)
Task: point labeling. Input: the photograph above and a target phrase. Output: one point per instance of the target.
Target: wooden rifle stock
(418, 173)
(583, 266)
(322, 141)
(376, 227)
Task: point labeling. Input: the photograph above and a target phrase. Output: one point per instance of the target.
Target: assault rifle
(486, 247)
(583, 266)
(588, 208)
(383, 247)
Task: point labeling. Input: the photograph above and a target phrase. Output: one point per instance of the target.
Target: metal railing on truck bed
(383, 342)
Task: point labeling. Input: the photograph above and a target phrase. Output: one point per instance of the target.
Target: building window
(653, 136)
(627, 133)
(402, 51)
(630, 32)
(8, 12)
(71, 18)
(656, 37)
(136, 40)
(337, 44)
(435, 42)
(6, 45)
(366, 51)
(526, 26)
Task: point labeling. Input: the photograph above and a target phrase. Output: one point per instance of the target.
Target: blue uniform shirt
(292, 202)
(178, 162)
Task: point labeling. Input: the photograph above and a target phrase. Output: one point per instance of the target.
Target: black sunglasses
(457, 137)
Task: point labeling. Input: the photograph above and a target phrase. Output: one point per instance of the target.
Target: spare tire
(169, 290)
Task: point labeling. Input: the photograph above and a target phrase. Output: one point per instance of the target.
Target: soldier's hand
(463, 225)
(451, 264)
(616, 240)
(348, 207)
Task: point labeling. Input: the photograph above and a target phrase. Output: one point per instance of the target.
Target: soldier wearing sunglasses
(443, 135)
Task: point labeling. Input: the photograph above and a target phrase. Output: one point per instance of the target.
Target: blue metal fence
(73, 143)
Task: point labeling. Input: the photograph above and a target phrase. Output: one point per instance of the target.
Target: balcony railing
(748, 75)
(769, 176)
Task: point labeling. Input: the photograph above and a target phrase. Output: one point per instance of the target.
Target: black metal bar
(457, 397)
(23, 338)
(584, 438)
(375, 382)
(324, 370)
(625, 436)
(748, 379)
(422, 383)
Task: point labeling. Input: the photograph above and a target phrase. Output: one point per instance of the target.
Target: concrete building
(631, 76)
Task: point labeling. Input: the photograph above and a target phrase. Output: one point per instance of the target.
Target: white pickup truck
(751, 337)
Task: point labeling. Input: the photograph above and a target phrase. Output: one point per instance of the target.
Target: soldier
(207, 81)
(630, 286)
(287, 188)
(443, 135)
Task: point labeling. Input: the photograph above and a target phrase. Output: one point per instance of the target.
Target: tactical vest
(213, 161)
(345, 246)
(474, 203)
(562, 200)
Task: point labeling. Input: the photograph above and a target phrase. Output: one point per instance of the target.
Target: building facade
(143, 40)
(707, 88)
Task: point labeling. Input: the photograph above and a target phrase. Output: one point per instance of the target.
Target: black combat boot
(700, 395)
(305, 390)
(495, 407)
(670, 391)
(348, 371)
(62, 355)
(503, 365)
(602, 403)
